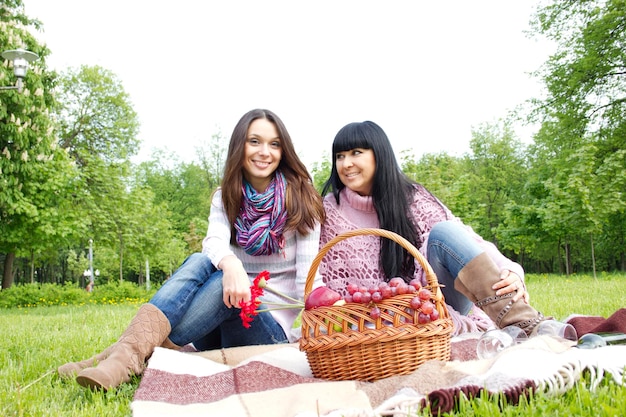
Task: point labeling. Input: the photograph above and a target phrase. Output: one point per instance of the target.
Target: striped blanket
(276, 380)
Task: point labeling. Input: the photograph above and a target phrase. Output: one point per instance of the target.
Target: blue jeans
(192, 301)
(450, 248)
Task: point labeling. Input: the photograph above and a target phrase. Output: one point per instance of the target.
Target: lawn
(36, 340)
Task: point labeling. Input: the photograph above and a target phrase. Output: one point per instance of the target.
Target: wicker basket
(345, 343)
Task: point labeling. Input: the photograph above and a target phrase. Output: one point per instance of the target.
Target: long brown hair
(303, 203)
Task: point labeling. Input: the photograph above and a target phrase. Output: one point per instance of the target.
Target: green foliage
(321, 172)
(441, 173)
(37, 295)
(96, 117)
(581, 141)
(34, 173)
(121, 292)
(185, 189)
(556, 205)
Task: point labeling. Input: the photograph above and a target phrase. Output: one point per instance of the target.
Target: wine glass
(556, 328)
(494, 341)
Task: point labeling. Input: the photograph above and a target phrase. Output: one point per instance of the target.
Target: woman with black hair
(367, 189)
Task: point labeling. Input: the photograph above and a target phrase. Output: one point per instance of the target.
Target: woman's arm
(216, 245)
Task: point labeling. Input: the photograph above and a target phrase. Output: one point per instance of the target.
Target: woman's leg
(207, 314)
(211, 341)
(469, 275)
(150, 327)
(204, 313)
(263, 330)
(450, 248)
(176, 295)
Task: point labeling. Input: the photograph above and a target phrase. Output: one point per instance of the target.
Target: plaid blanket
(275, 380)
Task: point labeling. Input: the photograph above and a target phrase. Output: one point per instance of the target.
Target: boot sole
(90, 383)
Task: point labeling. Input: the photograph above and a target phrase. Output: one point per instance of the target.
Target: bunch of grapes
(421, 302)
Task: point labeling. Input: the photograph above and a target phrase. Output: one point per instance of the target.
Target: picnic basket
(346, 343)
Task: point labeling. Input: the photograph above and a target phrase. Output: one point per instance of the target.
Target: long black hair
(392, 193)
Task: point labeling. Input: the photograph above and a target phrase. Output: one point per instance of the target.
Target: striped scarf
(262, 218)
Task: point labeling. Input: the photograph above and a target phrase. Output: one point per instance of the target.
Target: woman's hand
(235, 282)
(509, 282)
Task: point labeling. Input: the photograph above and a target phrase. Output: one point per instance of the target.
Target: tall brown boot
(475, 281)
(70, 369)
(147, 330)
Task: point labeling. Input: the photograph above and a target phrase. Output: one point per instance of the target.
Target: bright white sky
(427, 72)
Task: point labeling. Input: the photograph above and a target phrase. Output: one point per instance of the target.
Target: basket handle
(430, 274)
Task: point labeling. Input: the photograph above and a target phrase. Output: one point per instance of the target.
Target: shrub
(34, 295)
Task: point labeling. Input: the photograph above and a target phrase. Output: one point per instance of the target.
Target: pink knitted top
(356, 259)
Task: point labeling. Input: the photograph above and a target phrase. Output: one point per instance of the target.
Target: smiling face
(262, 153)
(356, 168)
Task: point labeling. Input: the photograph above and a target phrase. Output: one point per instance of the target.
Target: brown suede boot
(147, 330)
(71, 369)
(475, 281)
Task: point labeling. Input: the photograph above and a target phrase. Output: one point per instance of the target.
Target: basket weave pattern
(346, 343)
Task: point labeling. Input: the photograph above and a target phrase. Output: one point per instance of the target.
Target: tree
(34, 173)
(494, 175)
(440, 174)
(96, 118)
(320, 172)
(184, 188)
(212, 157)
(583, 130)
(98, 129)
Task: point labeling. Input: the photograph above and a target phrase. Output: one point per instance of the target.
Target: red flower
(248, 310)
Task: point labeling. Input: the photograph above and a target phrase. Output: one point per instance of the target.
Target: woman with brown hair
(265, 216)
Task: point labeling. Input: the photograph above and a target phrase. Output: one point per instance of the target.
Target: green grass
(38, 339)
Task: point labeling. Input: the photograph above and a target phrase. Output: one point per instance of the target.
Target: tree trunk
(121, 263)
(32, 266)
(7, 276)
(568, 264)
(593, 255)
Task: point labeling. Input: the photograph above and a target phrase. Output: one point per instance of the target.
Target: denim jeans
(192, 301)
(450, 248)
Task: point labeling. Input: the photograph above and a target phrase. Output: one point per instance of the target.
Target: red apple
(321, 297)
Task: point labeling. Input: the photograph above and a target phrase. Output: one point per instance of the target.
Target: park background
(71, 184)
(538, 171)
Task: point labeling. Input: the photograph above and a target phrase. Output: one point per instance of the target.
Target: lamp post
(91, 276)
(21, 58)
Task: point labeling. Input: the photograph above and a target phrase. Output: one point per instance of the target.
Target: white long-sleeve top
(288, 270)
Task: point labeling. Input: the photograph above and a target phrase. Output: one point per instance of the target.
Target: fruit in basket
(395, 281)
(416, 303)
(427, 307)
(377, 297)
(425, 294)
(423, 318)
(416, 283)
(321, 297)
(352, 288)
(402, 288)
